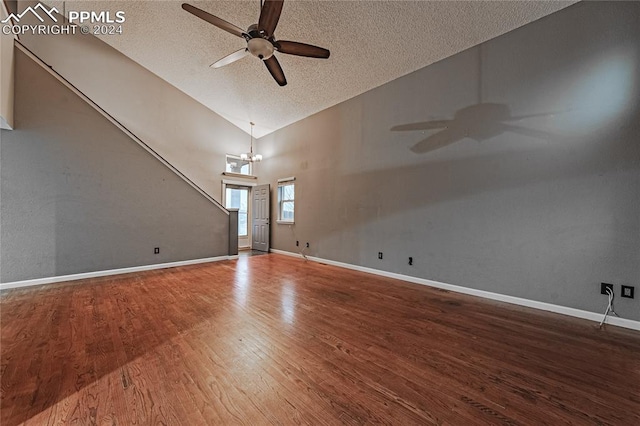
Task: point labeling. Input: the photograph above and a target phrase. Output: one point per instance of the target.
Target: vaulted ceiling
(371, 43)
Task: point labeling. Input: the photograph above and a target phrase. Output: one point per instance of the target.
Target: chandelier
(250, 156)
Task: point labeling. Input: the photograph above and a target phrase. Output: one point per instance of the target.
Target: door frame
(246, 241)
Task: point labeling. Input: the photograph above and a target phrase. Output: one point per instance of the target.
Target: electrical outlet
(307, 245)
(297, 243)
(410, 260)
(379, 255)
(156, 250)
(627, 291)
(604, 287)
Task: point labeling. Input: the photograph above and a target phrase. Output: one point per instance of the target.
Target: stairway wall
(187, 134)
(79, 195)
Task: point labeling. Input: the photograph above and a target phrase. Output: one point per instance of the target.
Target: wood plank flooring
(278, 340)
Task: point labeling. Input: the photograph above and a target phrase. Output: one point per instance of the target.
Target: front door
(260, 208)
(237, 197)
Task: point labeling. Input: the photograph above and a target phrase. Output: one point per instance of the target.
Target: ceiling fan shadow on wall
(260, 39)
(480, 121)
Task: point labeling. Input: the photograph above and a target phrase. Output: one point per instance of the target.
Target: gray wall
(78, 195)
(545, 211)
(187, 134)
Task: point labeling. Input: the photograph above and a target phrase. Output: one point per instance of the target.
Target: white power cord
(609, 309)
(301, 252)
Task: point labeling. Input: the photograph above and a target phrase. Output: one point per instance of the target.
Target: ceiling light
(250, 156)
(260, 48)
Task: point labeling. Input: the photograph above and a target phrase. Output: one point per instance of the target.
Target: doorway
(237, 197)
(260, 220)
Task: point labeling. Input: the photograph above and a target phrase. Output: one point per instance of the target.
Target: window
(238, 198)
(236, 165)
(286, 200)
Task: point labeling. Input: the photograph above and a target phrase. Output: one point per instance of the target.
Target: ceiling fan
(261, 41)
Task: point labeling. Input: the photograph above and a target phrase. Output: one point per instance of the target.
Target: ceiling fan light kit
(260, 39)
(260, 48)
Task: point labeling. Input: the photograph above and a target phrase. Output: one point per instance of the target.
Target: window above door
(237, 166)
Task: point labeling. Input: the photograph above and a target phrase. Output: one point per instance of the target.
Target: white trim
(285, 222)
(4, 125)
(246, 239)
(289, 179)
(239, 182)
(84, 275)
(578, 313)
(239, 175)
(286, 253)
(113, 121)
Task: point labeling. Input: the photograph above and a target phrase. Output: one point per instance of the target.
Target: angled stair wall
(187, 134)
(79, 194)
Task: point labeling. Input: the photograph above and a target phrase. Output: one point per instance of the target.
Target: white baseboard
(593, 316)
(73, 277)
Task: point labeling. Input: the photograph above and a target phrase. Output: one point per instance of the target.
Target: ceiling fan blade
(301, 49)
(276, 70)
(230, 58)
(269, 15)
(220, 23)
(426, 125)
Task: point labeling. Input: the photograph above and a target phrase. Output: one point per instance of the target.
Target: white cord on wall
(301, 252)
(609, 307)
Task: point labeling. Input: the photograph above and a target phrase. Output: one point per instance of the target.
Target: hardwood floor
(277, 340)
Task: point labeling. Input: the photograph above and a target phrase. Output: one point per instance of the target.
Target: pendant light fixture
(250, 156)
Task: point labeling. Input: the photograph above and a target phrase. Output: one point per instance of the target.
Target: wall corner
(6, 75)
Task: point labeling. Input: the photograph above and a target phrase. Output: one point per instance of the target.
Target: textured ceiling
(371, 43)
